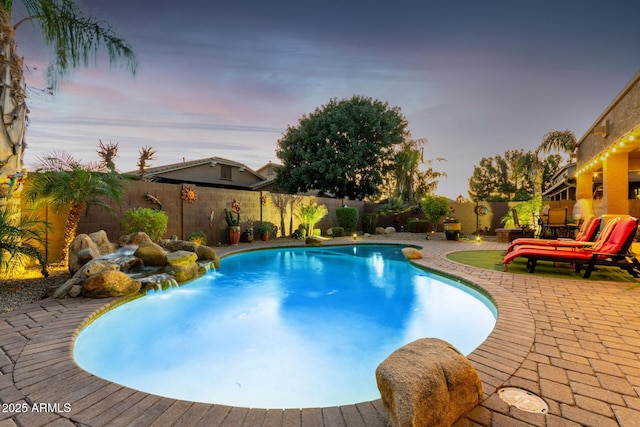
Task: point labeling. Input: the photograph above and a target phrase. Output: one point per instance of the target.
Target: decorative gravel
(28, 287)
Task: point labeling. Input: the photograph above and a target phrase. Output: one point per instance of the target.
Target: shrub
(337, 232)
(199, 237)
(435, 207)
(347, 218)
(369, 222)
(151, 221)
(415, 225)
(300, 233)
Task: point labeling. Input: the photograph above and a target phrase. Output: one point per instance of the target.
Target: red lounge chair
(613, 251)
(585, 237)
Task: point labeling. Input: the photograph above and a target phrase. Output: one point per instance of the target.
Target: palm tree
(557, 140)
(20, 238)
(405, 180)
(66, 184)
(310, 215)
(73, 40)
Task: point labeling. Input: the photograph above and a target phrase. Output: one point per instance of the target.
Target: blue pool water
(285, 328)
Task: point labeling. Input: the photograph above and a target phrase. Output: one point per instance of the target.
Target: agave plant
(20, 240)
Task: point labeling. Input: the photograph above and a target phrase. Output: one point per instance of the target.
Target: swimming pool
(282, 328)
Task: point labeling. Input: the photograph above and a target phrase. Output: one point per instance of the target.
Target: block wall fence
(186, 218)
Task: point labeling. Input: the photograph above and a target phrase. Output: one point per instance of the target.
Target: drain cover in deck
(523, 400)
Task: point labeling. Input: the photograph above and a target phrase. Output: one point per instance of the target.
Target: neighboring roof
(186, 165)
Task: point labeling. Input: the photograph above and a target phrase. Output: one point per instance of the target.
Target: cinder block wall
(186, 218)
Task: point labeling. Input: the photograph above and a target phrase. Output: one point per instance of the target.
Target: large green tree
(73, 40)
(343, 148)
(509, 176)
(71, 187)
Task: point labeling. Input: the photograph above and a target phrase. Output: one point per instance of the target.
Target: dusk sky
(226, 78)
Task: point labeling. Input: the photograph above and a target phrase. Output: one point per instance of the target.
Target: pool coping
(38, 339)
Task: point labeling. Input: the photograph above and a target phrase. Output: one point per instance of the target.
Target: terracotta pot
(265, 237)
(234, 235)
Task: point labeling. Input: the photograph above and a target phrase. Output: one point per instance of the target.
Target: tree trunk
(70, 229)
(14, 111)
(538, 183)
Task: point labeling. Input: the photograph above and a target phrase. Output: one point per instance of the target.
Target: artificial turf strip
(492, 260)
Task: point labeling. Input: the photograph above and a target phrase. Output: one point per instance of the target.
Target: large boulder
(181, 258)
(314, 240)
(61, 291)
(427, 382)
(207, 253)
(411, 253)
(151, 254)
(184, 273)
(183, 265)
(110, 283)
(102, 242)
(179, 245)
(96, 266)
(81, 250)
(138, 238)
(91, 268)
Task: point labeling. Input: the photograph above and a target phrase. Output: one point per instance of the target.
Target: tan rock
(389, 230)
(314, 240)
(427, 382)
(412, 253)
(181, 258)
(151, 254)
(64, 289)
(379, 230)
(80, 243)
(207, 253)
(138, 238)
(75, 291)
(185, 272)
(111, 283)
(96, 266)
(102, 242)
(179, 245)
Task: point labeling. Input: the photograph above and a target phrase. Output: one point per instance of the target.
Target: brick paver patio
(575, 343)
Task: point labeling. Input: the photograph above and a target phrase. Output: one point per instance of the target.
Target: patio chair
(556, 222)
(612, 251)
(516, 222)
(585, 237)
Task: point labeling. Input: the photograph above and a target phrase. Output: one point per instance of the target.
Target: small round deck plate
(523, 400)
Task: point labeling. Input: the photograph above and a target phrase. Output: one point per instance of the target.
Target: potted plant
(263, 230)
(198, 237)
(451, 226)
(233, 222)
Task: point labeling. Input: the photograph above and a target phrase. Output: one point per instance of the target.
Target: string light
(605, 154)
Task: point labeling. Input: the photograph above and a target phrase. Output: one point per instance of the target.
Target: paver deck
(575, 343)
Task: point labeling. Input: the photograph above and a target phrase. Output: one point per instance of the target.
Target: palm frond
(21, 238)
(74, 39)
